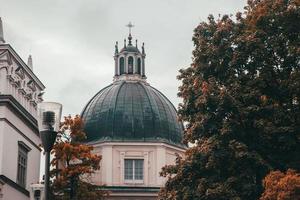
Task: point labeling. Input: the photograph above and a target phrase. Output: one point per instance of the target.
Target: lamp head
(49, 114)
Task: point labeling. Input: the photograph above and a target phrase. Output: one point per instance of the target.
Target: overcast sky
(72, 41)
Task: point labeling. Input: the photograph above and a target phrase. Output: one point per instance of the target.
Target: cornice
(130, 78)
(128, 143)
(20, 111)
(23, 64)
(13, 184)
(131, 189)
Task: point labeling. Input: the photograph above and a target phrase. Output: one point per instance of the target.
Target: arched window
(139, 65)
(130, 65)
(122, 66)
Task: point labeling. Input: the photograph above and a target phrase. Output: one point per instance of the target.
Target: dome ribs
(110, 113)
(99, 109)
(115, 107)
(131, 111)
(163, 118)
(155, 129)
(176, 126)
(142, 107)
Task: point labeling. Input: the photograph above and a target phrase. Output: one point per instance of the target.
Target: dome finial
(124, 43)
(2, 41)
(130, 26)
(129, 39)
(136, 43)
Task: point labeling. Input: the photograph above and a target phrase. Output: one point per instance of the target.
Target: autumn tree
(73, 163)
(281, 186)
(240, 103)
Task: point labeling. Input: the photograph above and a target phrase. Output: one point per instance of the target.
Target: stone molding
(128, 143)
(8, 50)
(13, 184)
(130, 78)
(20, 78)
(131, 189)
(20, 111)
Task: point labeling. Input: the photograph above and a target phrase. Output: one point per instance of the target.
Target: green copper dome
(130, 48)
(131, 111)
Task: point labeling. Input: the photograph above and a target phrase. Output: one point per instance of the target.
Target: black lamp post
(49, 114)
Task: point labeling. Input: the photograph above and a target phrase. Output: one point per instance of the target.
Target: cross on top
(130, 25)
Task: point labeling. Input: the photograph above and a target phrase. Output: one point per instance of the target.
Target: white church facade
(134, 127)
(20, 92)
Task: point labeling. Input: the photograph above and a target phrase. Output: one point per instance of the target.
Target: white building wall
(18, 80)
(155, 156)
(20, 91)
(1, 143)
(10, 156)
(13, 130)
(10, 193)
(14, 119)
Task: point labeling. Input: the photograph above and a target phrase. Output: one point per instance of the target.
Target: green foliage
(241, 103)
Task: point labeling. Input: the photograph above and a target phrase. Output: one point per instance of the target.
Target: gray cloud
(72, 41)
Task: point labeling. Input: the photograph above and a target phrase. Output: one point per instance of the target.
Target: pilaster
(108, 160)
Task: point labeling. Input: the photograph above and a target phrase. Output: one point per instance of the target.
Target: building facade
(130, 123)
(135, 129)
(20, 92)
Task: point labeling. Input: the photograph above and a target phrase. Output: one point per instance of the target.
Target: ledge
(133, 189)
(21, 112)
(16, 186)
(137, 143)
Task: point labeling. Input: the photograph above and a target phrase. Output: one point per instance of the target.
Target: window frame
(130, 64)
(122, 68)
(22, 164)
(37, 195)
(134, 180)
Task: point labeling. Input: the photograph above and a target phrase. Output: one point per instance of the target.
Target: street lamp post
(49, 114)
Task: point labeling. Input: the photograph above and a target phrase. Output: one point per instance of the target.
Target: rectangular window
(22, 164)
(134, 169)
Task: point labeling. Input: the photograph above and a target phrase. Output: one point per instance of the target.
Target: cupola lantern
(129, 61)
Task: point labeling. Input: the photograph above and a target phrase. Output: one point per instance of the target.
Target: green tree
(73, 164)
(240, 103)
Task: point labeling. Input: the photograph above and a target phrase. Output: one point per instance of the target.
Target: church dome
(131, 111)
